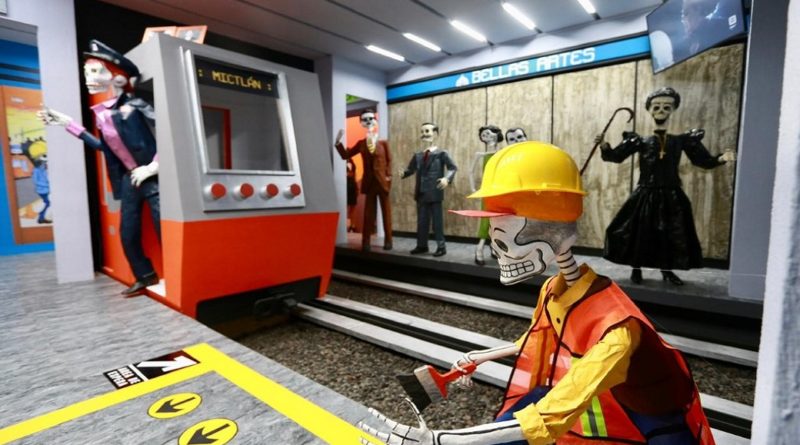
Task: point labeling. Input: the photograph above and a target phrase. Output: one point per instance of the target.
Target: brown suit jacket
(377, 166)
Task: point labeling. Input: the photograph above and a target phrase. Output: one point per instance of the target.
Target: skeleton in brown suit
(377, 180)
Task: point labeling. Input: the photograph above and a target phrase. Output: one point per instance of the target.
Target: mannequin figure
(126, 124)
(430, 165)
(591, 369)
(515, 135)
(377, 179)
(655, 227)
(352, 194)
(491, 136)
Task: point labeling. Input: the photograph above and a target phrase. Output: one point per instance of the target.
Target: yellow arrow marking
(209, 432)
(309, 416)
(174, 405)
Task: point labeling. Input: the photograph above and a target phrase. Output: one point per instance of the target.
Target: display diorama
(655, 227)
(434, 171)
(591, 367)
(377, 179)
(126, 125)
(491, 136)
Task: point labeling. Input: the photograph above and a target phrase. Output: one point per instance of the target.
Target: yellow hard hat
(38, 149)
(532, 179)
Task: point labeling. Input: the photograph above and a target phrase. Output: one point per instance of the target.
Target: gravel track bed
(729, 381)
(365, 373)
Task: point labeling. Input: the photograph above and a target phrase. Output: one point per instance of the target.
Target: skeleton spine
(569, 267)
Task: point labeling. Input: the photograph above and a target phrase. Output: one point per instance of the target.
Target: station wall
(567, 110)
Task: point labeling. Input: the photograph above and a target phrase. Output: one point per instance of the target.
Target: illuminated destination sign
(234, 78)
(620, 49)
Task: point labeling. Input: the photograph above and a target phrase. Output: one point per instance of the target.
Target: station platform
(82, 365)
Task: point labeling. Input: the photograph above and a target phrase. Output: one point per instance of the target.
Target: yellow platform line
(311, 417)
(306, 414)
(57, 417)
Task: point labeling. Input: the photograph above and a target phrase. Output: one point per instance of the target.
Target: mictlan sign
(631, 47)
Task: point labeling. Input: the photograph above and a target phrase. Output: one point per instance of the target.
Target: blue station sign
(620, 49)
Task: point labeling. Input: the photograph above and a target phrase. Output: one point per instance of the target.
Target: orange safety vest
(658, 381)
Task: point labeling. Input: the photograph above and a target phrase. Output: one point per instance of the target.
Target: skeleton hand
(465, 381)
(728, 156)
(339, 136)
(601, 141)
(401, 434)
(53, 117)
(141, 173)
(443, 183)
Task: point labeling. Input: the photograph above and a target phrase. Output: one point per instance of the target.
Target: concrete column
(755, 169)
(777, 405)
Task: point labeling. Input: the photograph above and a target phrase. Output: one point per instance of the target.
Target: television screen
(680, 29)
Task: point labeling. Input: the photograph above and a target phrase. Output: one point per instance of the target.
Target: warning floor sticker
(215, 401)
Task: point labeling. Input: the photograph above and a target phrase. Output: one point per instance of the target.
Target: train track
(441, 345)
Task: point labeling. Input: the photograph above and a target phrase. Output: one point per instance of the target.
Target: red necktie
(425, 156)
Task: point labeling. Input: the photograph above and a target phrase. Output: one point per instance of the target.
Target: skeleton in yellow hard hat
(576, 379)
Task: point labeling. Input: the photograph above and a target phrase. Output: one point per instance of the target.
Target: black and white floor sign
(149, 369)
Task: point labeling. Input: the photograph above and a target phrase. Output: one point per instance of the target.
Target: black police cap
(100, 50)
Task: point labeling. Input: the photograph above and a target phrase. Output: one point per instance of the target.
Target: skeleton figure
(516, 135)
(377, 180)
(491, 136)
(127, 140)
(655, 227)
(434, 171)
(565, 367)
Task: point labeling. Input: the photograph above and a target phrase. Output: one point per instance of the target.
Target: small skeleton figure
(515, 135)
(435, 171)
(491, 136)
(377, 179)
(127, 140)
(655, 227)
(591, 368)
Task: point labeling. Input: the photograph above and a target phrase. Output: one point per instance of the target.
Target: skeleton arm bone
(484, 355)
(476, 172)
(487, 434)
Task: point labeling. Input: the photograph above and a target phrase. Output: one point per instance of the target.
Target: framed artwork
(150, 32)
(194, 33)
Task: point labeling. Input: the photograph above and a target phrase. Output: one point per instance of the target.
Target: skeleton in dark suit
(377, 180)
(429, 166)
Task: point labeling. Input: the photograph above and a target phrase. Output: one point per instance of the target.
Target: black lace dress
(655, 227)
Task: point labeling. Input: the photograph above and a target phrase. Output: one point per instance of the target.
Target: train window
(243, 118)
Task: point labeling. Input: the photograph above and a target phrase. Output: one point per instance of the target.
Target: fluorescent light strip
(468, 31)
(421, 41)
(519, 16)
(385, 53)
(588, 6)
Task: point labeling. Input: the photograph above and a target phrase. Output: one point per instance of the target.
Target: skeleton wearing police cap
(127, 140)
(583, 334)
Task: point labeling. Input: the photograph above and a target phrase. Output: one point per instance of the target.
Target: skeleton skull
(661, 108)
(368, 120)
(98, 77)
(488, 136)
(516, 135)
(525, 246)
(428, 132)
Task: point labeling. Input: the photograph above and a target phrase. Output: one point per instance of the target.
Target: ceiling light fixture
(519, 16)
(386, 53)
(468, 31)
(421, 41)
(588, 6)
